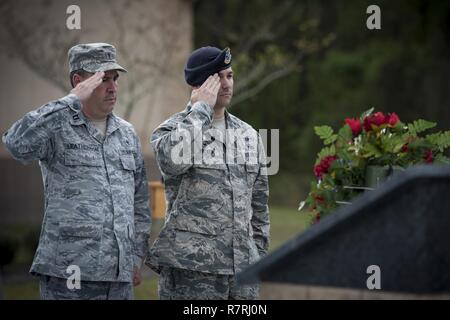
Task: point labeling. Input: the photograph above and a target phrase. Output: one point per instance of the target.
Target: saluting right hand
(84, 89)
(208, 91)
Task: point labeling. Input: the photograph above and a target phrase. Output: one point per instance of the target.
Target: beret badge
(227, 59)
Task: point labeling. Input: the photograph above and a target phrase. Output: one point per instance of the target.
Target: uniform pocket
(204, 190)
(80, 157)
(128, 162)
(198, 225)
(78, 244)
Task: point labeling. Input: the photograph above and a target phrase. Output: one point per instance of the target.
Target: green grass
(286, 223)
(28, 290)
(147, 290)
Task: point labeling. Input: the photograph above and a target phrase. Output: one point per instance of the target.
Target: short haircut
(80, 72)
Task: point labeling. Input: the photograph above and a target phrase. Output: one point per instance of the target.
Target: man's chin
(223, 103)
(109, 107)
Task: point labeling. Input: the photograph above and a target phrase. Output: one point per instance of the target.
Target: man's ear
(76, 79)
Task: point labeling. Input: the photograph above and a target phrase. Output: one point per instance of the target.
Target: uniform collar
(230, 121)
(77, 118)
(113, 123)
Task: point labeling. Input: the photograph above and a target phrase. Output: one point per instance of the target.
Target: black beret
(204, 62)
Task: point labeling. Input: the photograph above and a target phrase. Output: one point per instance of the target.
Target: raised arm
(166, 138)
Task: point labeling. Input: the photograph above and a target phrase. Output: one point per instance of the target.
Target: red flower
(319, 199)
(355, 125)
(380, 118)
(318, 171)
(376, 119)
(393, 119)
(428, 156)
(323, 166)
(404, 148)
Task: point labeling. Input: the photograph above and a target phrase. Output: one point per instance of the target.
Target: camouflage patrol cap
(93, 57)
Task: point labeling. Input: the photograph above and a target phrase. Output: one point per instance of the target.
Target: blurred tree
(26, 32)
(134, 35)
(269, 40)
(402, 68)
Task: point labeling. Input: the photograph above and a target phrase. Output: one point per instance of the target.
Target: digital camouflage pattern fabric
(194, 285)
(93, 57)
(97, 213)
(217, 217)
(52, 288)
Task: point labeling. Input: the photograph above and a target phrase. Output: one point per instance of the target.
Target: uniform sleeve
(260, 196)
(170, 137)
(30, 137)
(142, 212)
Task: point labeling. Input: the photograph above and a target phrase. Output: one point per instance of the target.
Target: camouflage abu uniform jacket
(97, 214)
(217, 219)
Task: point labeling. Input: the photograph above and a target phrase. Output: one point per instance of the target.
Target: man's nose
(225, 83)
(112, 86)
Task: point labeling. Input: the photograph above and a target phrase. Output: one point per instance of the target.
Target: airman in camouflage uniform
(97, 214)
(217, 219)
